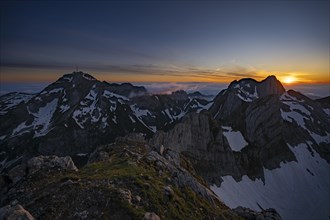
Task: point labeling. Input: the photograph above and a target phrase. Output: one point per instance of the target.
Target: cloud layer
(313, 91)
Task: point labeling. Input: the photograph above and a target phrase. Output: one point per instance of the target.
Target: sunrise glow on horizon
(51, 76)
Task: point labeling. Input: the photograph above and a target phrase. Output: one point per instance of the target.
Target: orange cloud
(158, 73)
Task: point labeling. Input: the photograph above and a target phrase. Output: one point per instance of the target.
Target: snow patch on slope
(208, 106)
(297, 190)
(114, 119)
(319, 138)
(298, 107)
(132, 119)
(235, 138)
(87, 110)
(43, 118)
(88, 77)
(244, 95)
(104, 122)
(91, 95)
(64, 108)
(68, 78)
(294, 116)
(327, 111)
(10, 101)
(287, 97)
(297, 113)
(109, 94)
(21, 128)
(140, 114)
(55, 90)
(202, 107)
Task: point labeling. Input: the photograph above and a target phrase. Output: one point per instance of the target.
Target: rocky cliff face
(200, 139)
(270, 86)
(249, 137)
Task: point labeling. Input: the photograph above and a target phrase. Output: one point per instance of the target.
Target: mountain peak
(78, 75)
(271, 77)
(271, 85)
(74, 80)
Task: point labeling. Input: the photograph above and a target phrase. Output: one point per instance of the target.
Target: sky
(165, 41)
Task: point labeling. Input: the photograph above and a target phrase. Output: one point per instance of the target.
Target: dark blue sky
(159, 40)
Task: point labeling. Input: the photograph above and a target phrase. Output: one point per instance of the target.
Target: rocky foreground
(124, 180)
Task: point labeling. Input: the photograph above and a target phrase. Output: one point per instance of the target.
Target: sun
(289, 79)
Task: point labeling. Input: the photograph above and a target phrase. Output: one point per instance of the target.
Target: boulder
(17, 173)
(15, 212)
(137, 199)
(126, 195)
(168, 191)
(98, 156)
(151, 216)
(49, 162)
(161, 150)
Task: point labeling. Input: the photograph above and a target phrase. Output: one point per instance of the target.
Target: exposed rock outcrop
(248, 214)
(151, 216)
(50, 162)
(181, 177)
(200, 138)
(33, 166)
(14, 212)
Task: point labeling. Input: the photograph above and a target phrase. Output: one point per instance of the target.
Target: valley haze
(311, 90)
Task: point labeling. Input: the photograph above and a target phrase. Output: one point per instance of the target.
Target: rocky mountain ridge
(77, 113)
(245, 145)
